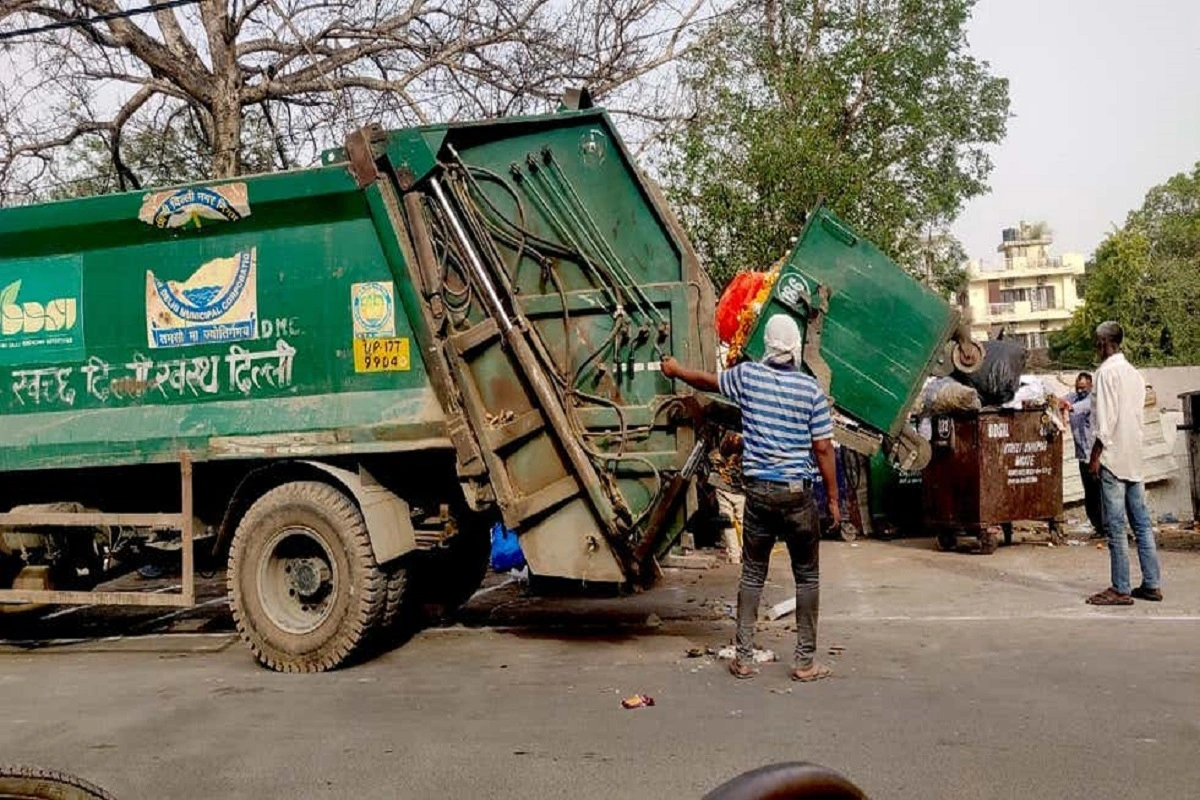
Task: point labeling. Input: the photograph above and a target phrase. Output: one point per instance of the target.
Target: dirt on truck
(338, 379)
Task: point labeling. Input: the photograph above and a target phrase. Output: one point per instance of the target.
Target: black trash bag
(998, 377)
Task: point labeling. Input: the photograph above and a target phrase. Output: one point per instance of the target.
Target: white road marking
(188, 610)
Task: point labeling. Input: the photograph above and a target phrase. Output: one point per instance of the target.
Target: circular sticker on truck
(374, 309)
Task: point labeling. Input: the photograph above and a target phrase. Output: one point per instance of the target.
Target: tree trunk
(227, 135)
(226, 104)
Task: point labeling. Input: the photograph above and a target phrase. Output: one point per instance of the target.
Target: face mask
(1084, 393)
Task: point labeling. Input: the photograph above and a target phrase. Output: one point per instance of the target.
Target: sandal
(739, 670)
(1110, 597)
(816, 672)
(1142, 593)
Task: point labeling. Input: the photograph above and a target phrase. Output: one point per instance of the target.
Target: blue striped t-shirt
(783, 412)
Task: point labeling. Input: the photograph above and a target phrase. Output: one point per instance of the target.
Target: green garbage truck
(337, 379)
(343, 376)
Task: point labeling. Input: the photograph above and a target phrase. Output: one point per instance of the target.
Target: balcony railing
(1011, 269)
(1032, 264)
(1026, 309)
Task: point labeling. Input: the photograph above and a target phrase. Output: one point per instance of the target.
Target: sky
(1105, 98)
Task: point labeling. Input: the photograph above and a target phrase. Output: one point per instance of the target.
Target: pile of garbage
(1000, 382)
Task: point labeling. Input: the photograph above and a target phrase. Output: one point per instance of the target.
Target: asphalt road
(958, 677)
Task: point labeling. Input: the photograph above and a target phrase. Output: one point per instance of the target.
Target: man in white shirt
(1118, 400)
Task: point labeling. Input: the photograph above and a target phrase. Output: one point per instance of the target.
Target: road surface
(958, 676)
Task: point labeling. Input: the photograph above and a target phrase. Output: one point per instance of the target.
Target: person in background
(725, 476)
(787, 434)
(1116, 459)
(1078, 407)
(726, 479)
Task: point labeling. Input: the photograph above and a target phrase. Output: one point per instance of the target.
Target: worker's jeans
(1121, 499)
(777, 511)
(1093, 500)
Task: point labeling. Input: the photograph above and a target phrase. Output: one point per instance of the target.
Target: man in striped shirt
(788, 438)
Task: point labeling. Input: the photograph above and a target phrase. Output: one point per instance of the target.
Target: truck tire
(396, 597)
(306, 591)
(31, 783)
(399, 617)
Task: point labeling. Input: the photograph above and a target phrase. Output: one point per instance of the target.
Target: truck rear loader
(342, 376)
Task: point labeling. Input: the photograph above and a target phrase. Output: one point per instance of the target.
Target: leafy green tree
(938, 261)
(1147, 277)
(875, 106)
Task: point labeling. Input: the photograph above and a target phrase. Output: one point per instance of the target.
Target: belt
(801, 485)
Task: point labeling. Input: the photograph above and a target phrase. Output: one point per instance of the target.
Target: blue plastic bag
(506, 549)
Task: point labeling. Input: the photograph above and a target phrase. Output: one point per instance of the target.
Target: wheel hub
(297, 580)
(306, 576)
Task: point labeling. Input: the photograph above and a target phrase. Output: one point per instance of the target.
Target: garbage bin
(881, 336)
(992, 468)
(1191, 429)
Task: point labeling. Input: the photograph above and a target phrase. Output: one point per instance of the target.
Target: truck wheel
(399, 616)
(397, 595)
(305, 588)
(30, 783)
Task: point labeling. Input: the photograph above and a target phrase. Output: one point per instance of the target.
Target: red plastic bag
(740, 292)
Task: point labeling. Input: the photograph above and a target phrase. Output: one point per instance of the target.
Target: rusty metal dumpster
(990, 469)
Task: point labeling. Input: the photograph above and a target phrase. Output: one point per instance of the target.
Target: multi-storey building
(1029, 293)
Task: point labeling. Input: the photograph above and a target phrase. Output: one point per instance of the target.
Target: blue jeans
(1128, 499)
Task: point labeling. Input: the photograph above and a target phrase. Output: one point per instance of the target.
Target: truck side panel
(271, 330)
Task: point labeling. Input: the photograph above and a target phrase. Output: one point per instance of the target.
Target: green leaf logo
(8, 295)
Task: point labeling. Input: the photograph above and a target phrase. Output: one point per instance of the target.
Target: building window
(1042, 298)
(1036, 341)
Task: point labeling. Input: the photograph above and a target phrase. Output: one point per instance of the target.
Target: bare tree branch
(228, 85)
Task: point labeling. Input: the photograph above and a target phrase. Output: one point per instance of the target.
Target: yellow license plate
(381, 355)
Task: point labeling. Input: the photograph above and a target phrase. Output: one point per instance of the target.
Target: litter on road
(637, 701)
(781, 610)
(760, 656)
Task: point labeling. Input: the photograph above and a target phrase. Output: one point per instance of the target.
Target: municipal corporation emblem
(373, 308)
